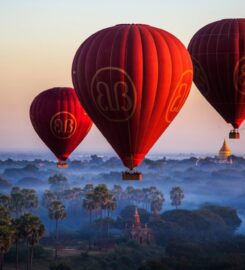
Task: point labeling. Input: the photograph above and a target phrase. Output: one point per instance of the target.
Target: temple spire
(225, 151)
(136, 217)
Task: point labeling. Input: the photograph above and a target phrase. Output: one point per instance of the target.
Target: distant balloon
(218, 54)
(60, 121)
(132, 80)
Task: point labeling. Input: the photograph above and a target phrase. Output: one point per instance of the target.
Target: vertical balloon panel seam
(159, 122)
(232, 66)
(238, 92)
(139, 115)
(117, 135)
(221, 90)
(83, 81)
(104, 36)
(125, 60)
(158, 92)
(128, 121)
(82, 67)
(198, 39)
(75, 65)
(174, 51)
(208, 32)
(68, 104)
(101, 117)
(137, 112)
(151, 130)
(144, 122)
(242, 39)
(166, 39)
(145, 136)
(185, 69)
(229, 65)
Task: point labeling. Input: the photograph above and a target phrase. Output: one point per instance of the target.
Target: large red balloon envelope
(60, 121)
(132, 80)
(218, 54)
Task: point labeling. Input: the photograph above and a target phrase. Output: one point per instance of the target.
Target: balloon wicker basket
(128, 175)
(234, 134)
(62, 165)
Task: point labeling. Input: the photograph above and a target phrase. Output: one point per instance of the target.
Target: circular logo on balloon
(239, 76)
(114, 93)
(63, 125)
(179, 95)
(200, 77)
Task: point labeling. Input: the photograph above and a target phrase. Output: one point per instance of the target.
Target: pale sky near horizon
(40, 37)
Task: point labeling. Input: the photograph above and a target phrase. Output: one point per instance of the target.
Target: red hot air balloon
(132, 80)
(60, 121)
(218, 54)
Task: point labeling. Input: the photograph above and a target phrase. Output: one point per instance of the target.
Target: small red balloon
(60, 121)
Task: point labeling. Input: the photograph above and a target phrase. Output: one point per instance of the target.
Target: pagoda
(138, 232)
(224, 152)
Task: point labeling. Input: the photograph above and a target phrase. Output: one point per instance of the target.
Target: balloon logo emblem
(179, 95)
(63, 125)
(115, 101)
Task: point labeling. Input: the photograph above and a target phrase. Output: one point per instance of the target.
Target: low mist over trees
(85, 221)
(58, 182)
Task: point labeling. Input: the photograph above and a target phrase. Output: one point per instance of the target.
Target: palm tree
(89, 205)
(18, 236)
(73, 196)
(30, 199)
(56, 212)
(100, 195)
(5, 201)
(88, 188)
(48, 197)
(117, 190)
(176, 196)
(17, 201)
(110, 204)
(100, 199)
(6, 234)
(32, 230)
(130, 192)
(157, 202)
(36, 233)
(104, 200)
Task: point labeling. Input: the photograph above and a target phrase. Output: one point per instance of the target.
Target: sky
(39, 39)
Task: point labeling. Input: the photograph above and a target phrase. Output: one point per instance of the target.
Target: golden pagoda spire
(224, 151)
